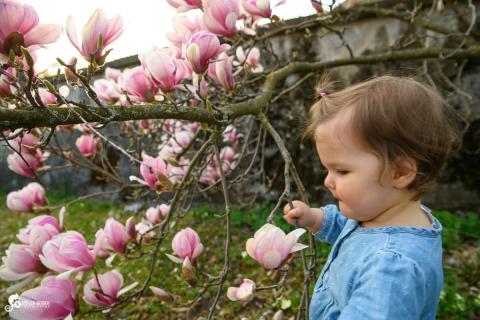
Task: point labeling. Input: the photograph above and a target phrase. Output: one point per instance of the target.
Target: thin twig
(226, 263)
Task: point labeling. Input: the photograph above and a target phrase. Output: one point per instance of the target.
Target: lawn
(460, 298)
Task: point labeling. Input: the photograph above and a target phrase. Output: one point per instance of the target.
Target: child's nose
(329, 182)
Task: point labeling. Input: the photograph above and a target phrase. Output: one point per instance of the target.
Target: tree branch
(53, 116)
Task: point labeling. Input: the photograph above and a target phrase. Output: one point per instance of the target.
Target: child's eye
(342, 172)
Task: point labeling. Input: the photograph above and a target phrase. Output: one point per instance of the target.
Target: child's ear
(405, 171)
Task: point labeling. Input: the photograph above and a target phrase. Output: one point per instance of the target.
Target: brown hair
(395, 117)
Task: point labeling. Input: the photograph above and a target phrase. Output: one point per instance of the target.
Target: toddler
(383, 143)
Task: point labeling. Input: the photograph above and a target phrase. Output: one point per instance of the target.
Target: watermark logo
(14, 301)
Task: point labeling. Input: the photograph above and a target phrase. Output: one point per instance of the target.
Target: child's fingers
(287, 208)
(291, 206)
(294, 213)
(293, 218)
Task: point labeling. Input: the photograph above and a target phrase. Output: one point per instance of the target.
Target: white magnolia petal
(65, 275)
(69, 317)
(232, 293)
(71, 31)
(249, 247)
(297, 233)
(109, 261)
(127, 288)
(298, 247)
(8, 275)
(61, 216)
(198, 250)
(137, 179)
(174, 258)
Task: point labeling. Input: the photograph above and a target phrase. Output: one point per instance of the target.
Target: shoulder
(391, 263)
(423, 245)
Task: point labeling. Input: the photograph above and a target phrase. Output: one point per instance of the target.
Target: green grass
(460, 298)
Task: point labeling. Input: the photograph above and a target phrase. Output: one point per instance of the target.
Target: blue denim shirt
(378, 273)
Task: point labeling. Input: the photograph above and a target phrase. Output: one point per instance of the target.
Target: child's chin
(345, 210)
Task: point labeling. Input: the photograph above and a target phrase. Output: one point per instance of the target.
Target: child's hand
(303, 216)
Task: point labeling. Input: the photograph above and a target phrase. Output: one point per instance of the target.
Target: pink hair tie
(322, 94)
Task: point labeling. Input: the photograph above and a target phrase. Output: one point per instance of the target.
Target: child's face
(353, 172)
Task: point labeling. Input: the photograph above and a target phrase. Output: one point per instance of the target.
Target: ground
(460, 298)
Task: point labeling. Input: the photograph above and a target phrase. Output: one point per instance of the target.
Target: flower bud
(162, 294)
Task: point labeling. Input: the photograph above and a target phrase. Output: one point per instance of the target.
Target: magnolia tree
(200, 111)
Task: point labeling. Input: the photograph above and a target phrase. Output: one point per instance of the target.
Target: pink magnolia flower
(244, 293)
(21, 259)
(100, 248)
(46, 96)
(271, 247)
(260, 8)
(180, 140)
(221, 71)
(59, 294)
(158, 213)
(67, 252)
(104, 292)
(143, 228)
(177, 172)
(19, 26)
(185, 5)
(162, 294)
(85, 128)
(251, 60)
(221, 17)
(227, 154)
(25, 199)
(170, 126)
(25, 143)
(130, 227)
(186, 244)
(210, 175)
(317, 5)
(87, 144)
(192, 126)
(37, 193)
(25, 165)
(157, 174)
(113, 237)
(145, 124)
(230, 134)
(107, 90)
(138, 85)
(199, 87)
(98, 24)
(164, 69)
(38, 231)
(184, 28)
(201, 48)
(114, 75)
(29, 139)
